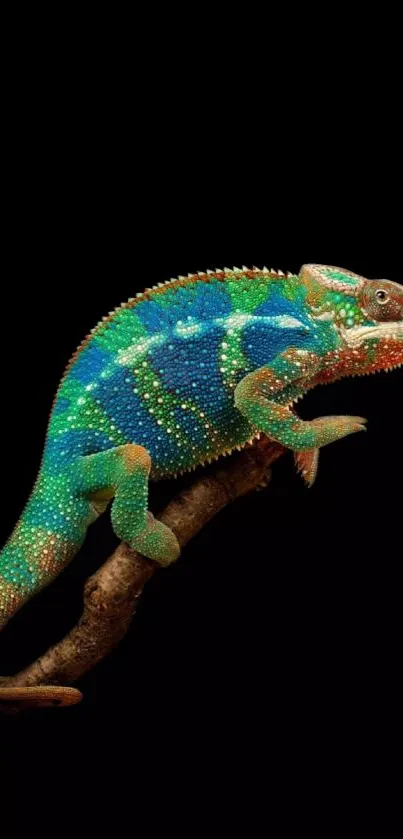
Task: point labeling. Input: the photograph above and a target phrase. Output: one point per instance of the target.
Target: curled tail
(49, 533)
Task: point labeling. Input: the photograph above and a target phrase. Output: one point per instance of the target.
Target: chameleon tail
(47, 536)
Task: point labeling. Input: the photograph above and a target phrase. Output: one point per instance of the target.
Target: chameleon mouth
(356, 336)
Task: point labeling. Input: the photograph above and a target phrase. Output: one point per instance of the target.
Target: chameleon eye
(381, 295)
(382, 300)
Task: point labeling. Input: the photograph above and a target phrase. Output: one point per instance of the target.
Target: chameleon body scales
(179, 375)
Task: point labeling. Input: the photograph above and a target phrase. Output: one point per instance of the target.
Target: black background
(269, 656)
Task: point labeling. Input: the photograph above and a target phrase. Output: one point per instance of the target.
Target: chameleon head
(367, 314)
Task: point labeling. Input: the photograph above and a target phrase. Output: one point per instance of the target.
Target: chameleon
(179, 375)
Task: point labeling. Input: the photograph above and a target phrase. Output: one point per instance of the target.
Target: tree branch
(111, 594)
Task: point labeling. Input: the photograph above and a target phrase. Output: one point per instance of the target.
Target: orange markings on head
(388, 354)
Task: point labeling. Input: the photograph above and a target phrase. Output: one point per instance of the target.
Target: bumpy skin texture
(180, 375)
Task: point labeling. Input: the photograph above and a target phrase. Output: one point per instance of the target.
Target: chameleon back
(161, 371)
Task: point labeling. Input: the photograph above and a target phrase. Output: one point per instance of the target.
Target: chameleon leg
(122, 473)
(260, 394)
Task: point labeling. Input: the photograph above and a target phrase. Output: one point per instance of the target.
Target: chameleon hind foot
(156, 541)
(122, 474)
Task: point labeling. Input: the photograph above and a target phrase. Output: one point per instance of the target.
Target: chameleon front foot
(307, 461)
(258, 397)
(330, 429)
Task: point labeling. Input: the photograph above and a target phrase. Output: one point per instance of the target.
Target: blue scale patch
(261, 344)
(38, 515)
(203, 301)
(127, 411)
(90, 363)
(192, 426)
(276, 304)
(188, 368)
(62, 404)
(152, 316)
(60, 449)
(211, 301)
(57, 518)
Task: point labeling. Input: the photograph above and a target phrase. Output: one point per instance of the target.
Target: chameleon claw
(307, 465)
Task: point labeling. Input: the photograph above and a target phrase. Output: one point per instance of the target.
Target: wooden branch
(111, 594)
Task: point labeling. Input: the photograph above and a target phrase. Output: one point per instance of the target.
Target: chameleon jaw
(356, 336)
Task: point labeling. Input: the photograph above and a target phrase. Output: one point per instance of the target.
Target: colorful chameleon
(179, 375)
